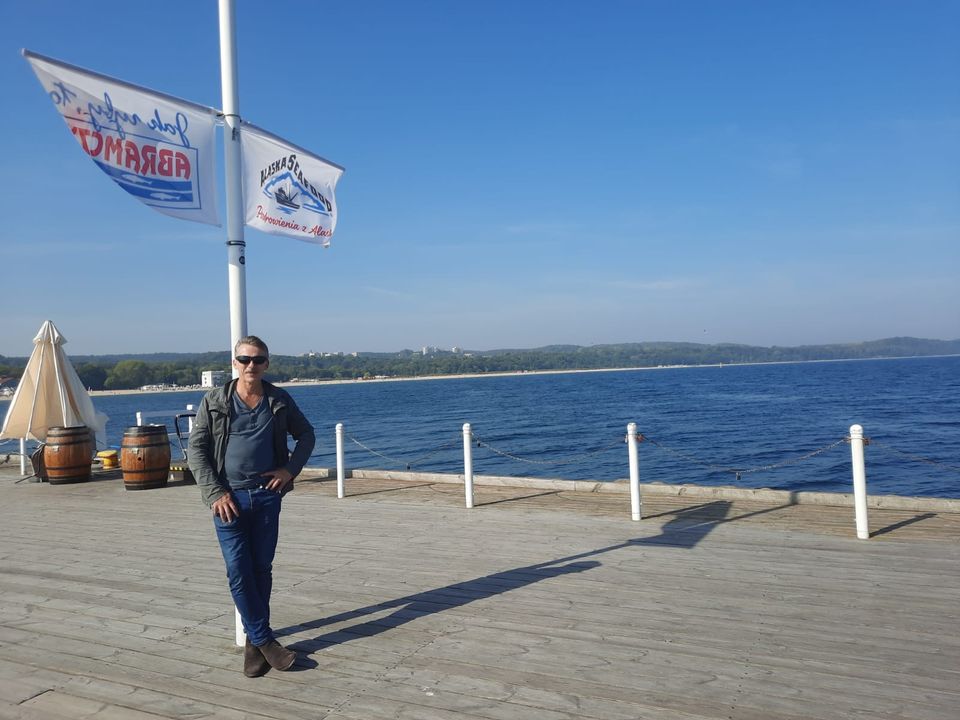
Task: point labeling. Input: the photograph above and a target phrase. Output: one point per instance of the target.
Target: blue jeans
(248, 544)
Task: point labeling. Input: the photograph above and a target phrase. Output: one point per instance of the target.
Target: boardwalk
(535, 604)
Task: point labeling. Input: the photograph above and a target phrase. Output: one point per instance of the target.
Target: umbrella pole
(23, 456)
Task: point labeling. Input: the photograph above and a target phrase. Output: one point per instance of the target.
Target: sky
(517, 174)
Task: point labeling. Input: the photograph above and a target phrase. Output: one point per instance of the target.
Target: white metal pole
(636, 508)
(468, 464)
(340, 472)
(240, 635)
(859, 482)
(23, 456)
(236, 267)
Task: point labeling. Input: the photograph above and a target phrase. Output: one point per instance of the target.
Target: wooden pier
(536, 604)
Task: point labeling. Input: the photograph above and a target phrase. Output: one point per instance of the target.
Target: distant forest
(117, 372)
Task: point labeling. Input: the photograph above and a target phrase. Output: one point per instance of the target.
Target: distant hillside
(132, 370)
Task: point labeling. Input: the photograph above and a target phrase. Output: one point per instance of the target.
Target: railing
(633, 439)
(175, 415)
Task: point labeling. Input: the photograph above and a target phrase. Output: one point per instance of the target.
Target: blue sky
(517, 174)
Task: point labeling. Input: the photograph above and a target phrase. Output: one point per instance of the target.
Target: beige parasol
(50, 394)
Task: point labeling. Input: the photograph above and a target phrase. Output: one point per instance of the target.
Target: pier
(539, 602)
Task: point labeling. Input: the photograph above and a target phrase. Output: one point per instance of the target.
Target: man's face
(250, 371)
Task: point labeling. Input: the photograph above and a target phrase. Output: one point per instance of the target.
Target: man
(239, 457)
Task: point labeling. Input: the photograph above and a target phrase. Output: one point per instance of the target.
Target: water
(737, 417)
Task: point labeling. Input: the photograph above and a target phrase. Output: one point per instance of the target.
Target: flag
(158, 148)
(287, 190)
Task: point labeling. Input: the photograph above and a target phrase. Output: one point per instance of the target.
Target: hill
(137, 370)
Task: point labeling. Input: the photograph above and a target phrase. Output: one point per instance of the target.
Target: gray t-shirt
(250, 445)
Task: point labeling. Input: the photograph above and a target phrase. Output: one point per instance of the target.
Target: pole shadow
(429, 602)
(685, 530)
(903, 523)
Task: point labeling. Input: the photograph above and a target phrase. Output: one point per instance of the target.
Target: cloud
(541, 228)
(663, 285)
(387, 292)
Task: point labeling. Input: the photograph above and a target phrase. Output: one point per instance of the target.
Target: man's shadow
(686, 529)
(411, 607)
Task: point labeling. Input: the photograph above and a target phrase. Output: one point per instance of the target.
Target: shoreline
(516, 373)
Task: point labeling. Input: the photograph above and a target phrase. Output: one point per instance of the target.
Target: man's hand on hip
(280, 479)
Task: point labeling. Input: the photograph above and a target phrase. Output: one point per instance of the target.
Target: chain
(916, 458)
(743, 471)
(407, 463)
(573, 458)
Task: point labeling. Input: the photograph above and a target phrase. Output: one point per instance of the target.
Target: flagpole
(236, 268)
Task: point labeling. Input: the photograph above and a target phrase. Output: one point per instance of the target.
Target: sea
(781, 426)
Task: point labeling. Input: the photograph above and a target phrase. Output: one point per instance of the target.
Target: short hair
(251, 340)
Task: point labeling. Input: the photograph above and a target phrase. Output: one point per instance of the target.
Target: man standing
(239, 457)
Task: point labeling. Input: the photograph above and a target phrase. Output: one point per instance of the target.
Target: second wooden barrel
(67, 454)
(145, 457)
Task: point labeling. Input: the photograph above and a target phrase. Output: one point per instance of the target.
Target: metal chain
(408, 463)
(573, 458)
(742, 471)
(915, 458)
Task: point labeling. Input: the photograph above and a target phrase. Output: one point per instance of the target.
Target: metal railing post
(859, 481)
(468, 464)
(636, 507)
(340, 470)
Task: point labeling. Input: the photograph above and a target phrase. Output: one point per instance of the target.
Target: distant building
(213, 378)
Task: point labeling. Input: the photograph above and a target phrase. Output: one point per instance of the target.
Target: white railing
(190, 412)
(633, 438)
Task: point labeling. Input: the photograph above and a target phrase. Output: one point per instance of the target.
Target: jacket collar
(220, 401)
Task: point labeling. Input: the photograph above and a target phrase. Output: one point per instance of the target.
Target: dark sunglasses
(255, 359)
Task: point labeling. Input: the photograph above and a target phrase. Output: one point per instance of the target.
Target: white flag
(287, 190)
(158, 148)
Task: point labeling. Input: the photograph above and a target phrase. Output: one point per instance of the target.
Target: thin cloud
(664, 285)
(387, 292)
(540, 228)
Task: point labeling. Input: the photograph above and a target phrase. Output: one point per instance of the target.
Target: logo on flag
(287, 190)
(158, 148)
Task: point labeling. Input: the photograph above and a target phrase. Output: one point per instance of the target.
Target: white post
(636, 508)
(236, 269)
(340, 472)
(468, 464)
(23, 456)
(859, 482)
(240, 635)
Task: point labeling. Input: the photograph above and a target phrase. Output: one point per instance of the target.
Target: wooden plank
(554, 606)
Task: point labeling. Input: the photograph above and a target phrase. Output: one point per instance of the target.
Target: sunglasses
(255, 359)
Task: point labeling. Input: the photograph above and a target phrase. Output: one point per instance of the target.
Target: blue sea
(701, 424)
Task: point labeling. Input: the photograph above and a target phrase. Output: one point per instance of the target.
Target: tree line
(118, 372)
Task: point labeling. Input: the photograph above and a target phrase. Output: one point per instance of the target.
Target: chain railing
(562, 461)
(743, 470)
(633, 438)
(409, 464)
(914, 458)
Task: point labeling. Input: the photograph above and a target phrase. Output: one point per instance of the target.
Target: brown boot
(254, 663)
(277, 655)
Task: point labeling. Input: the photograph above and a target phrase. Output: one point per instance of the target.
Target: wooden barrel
(145, 457)
(67, 454)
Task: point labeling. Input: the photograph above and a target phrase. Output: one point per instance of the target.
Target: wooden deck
(535, 604)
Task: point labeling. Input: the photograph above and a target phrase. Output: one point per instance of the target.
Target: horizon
(435, 348)
(517, 176)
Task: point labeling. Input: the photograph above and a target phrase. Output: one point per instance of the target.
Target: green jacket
(211, 430)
